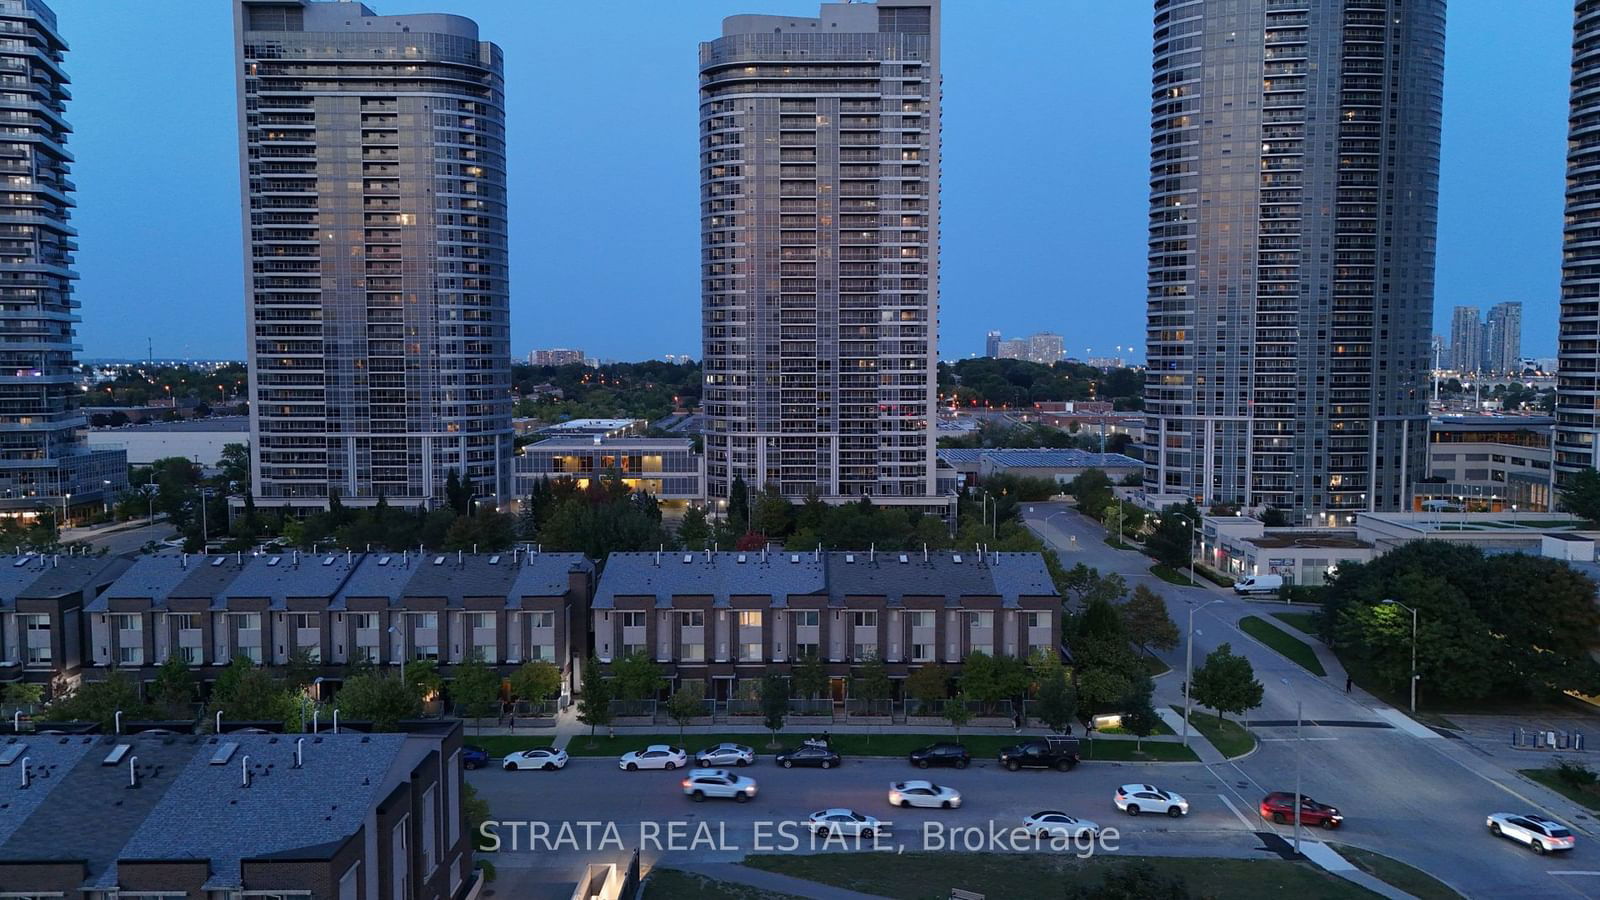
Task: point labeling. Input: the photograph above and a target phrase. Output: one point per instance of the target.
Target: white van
(1258, 584)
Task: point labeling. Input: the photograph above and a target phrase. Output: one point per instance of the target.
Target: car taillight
(686, 782)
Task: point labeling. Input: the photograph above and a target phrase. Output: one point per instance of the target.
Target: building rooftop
(1308, 539)
(280, 577)
(592, 425)
(182, 807)
(1492, 423)
(152, 578)
(211, 423)
(723, 575)
(1042, 458)
(618, 443)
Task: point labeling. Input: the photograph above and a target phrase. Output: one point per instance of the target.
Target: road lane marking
(1292, 740)
(1571, 872)
(1235, 810)
(1407, 724)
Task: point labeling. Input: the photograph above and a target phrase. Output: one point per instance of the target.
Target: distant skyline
(1067, 83)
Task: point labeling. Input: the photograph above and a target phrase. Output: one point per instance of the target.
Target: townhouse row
(720, 618)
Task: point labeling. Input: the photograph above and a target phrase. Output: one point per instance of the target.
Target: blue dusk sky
(1046, 142)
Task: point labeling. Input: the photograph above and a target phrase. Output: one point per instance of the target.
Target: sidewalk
(772, 881)
(1329, 860)
(1208, 753)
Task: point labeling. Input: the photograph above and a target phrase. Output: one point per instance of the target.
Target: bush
(1576, 775)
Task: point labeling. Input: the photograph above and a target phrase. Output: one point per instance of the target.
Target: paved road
(1419, 799)
(122, 541)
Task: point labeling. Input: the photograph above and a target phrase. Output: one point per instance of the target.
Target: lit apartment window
(750, 618)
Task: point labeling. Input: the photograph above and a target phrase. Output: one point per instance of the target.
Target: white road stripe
(1405, 723)
(1235, 810)
(1570, 872)
(1292, 740)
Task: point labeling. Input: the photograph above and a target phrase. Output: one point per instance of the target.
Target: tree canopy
(1226, 683)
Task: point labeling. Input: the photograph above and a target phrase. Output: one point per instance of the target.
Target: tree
(810, 677)
(686, 703)
(173, 688)
(1580, 494)
(773, 515)
(536, 681)
(1172, 542)
(99, 701)
(1273, 517)
(694, 532)
(1146, 622)
(381, 698)
(455, 495)
(957, 712)
(424, 678)
(1092, 490)
(774, 703)
(20, 693)
(739, 504)
(1139, 712)
(637, 676)
(299, 670)
(872, 682)
(245, 692)
(1055, 704)
(476, 689)
(234, 466)
(594, 702)
(980, 679)
(929, 684)
(1226, 683)
(1086, 585)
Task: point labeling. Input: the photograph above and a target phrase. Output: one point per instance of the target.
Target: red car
(1279, 807)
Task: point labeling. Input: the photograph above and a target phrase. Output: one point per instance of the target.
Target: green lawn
(1412, 880)
(930, 876)
(1283, 642)
(671, 884)
(1119, 545)
(1171, 575)
(1230, 738)
(1551, 780)
(1155, 665)
(1305, 622)
(500, 744)
(1161, 728)
(1123, 751)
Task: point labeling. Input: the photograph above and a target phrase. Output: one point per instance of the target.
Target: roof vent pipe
(133, 774)
(244, 771)
(924, 551)
(183, 563)
(299, 752)
(872, 552)
(316, 713)
(708, 554)
(658, 554)
(336, 720)
(25, 780)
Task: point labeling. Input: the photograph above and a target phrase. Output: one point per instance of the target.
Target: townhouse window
(982, 619)
(867, 618)
(750, 618)
(631, 649)
(548, 619)
(922, 653)
(806, 618)
(483, 620)
(365, 621)
(303, 620)
(430, 828)
(805, 650)
(126, 622)
(130, 655)
(428, 620)
(426, 651)
(750, 651)
(542, 652)
(692, 618)
(183, 621)
(249, 621)
(251, 652)
(693, 653)
(633, 620)
(190, 655)
(364, 654)
(863, 651)
(1033, 619)
(313, 652)
(920, 618)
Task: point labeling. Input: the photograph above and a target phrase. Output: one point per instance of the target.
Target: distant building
(668, 469)
(200, 440)
(597, 428)
(1502, 339)
(556, 357)
(1013, 348)
(328, 816)
(991, 344)
(1240, 546)
(1466, 340)
(1442, 358)
(1061, 466)
(1489, 462)
(1045, 348)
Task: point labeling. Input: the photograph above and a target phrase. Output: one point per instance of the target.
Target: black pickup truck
(1042, 753)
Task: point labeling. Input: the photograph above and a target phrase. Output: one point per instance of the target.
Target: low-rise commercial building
(332, 816)
(604, 428)
(341, 608)
(1488, 463)
(200, 440)
(1240, 546)
(667, 468)
(725, 619)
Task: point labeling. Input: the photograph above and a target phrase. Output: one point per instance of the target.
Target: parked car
(725, 755)
(843, 822)
(1279, 807)
(941, 755)
(1258, 584)
(703, 783)
(655, 756)
(1042, 753)
(1134, 799)
(1538, 832)
(1051, 823)
(923, 793)
(819, 757)
(547, 758)
(473, 756)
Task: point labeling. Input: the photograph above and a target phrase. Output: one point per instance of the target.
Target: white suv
(703, 783)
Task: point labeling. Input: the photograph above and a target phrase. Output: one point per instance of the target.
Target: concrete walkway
(772, 881)
(1202, 747)
(1329, 860)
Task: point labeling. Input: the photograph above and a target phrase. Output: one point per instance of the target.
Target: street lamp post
(1188, 670)
(205, 533)
(107, 495)
(1414, 675)
(1298, 709)
(1194, 538)
(66, 500)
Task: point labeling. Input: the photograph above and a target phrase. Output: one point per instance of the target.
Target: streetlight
(1188, 669)
(1194, 537)
(205, 534)
(107, 495)
(1414, 675)
(1297, 745)
(65, 500)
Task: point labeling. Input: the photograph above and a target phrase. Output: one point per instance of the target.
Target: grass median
(1230, 738)
(1304, 622)
(1397, 874)
(1172, 576)
(931, 876)
(1551, 778)
(672, 884)
(1283, 642)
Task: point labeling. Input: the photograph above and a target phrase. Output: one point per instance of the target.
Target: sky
(1045, 176)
